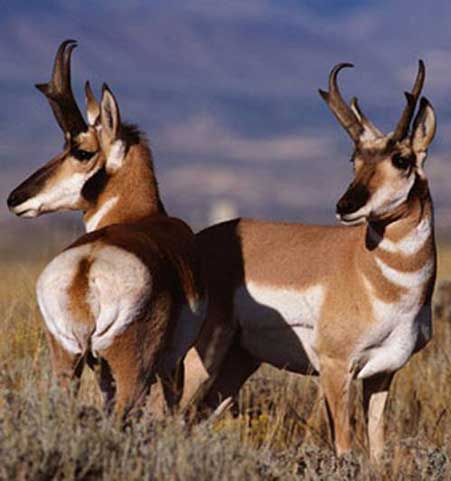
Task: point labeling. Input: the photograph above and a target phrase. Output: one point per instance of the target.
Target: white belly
(279, 325)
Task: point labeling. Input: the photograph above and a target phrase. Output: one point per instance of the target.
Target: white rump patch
(92, 223)
(119, 289)
(52, 291)
(120, 286)
(116, 156)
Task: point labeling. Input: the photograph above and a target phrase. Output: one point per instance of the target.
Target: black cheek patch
(95, 185)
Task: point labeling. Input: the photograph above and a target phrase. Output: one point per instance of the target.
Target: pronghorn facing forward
(125, 295)
(349, 301)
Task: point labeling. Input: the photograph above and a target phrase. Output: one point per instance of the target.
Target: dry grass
(279, 433)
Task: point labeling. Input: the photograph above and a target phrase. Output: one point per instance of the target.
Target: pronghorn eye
(81, 154)
(400, 162)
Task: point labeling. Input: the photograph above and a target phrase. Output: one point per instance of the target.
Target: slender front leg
(375, 393)
(335, 379)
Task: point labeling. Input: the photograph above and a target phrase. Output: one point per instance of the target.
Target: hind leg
(172, 384)
(126, 368)
(133, 358)
(237, 366)
(104, 380)
(203, 362)
(67, 366)
(166, 391)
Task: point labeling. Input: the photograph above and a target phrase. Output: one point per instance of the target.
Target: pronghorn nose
(345, 206)
(16, 198)
(355, 198)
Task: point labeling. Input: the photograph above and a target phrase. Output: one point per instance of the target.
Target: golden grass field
(278, 434)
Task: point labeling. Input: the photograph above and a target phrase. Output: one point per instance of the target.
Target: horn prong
(92, 106)
(402, 128)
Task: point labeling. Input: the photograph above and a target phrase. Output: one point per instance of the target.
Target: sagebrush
(277, 431)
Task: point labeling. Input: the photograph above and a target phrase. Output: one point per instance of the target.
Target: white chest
(399, 328)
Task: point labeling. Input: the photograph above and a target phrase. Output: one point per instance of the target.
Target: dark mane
(132, 135)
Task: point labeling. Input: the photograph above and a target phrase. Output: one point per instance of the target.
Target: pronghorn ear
(110, 118)
(424, 128)
(92, 106)
(110, 122)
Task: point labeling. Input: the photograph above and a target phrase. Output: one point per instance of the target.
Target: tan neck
(128, 195)
(401, 254)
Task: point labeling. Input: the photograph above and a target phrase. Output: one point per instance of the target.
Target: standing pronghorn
(346, 302)
(125, 295)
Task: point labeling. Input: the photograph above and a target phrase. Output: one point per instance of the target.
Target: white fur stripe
(412, 243)
(92, 223)
(406, 279)
(116, 156)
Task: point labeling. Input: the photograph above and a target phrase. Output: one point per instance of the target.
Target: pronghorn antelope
(124, 297)
(350, 301)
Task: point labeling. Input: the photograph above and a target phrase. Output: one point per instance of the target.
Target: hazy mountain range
(227, 92)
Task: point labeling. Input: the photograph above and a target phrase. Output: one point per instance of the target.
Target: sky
(227, 92)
